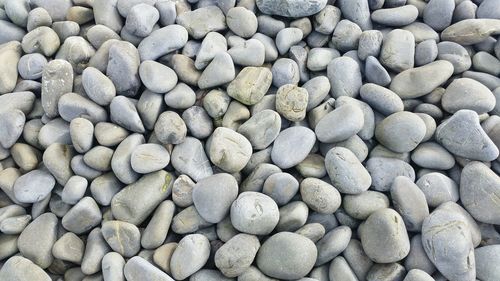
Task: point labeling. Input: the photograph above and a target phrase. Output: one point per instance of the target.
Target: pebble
(410, 202)
(384, 170)
(292, 146)
(191, 254)
(123, 237)
(350, 116)
(141, 19)
(189, 158)
(170, 128)
(69, 247)
(18, 268)
(470, 31)
(438, 14)
(361, 206)
(202, 21)
(36, 241)
(401, 131)
(250, 85)
(241, 21)
(398, 16)
(157, 77)
(431, 155)
(293, 9)
(162, 41)
(33, 186)
(229, 150)
(459, 93)
(426, 52)
(254, 213)
(398, 50)
(300, 253)
(83, 216)
(346, 36)
(262, 128)
(486, 258)
(346, 173)
(438, 188)
(57, 80)
(148, 158)
(213, 76)
(137, 267)
(213, 196)
(346, 82)
(281, 187)
(285, 71)
(375, 72)
(472, 142)
(332, 244)
(237, 254)
(158, 227)
(180, 97)
(456, 54)
(291, 102)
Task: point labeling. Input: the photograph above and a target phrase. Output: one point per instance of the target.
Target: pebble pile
(249, 140)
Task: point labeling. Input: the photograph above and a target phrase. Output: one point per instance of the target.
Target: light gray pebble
(300, 252)
(123, 112)
(38, 17)
(369, 44)
(410, 202)
(486, 79)
(417, 258)
(216, 103)
(170, 128)
(375, 72)
(288, 37)
(263, 220)
(237, 254)
(460, 32)
(319, 58)
(74, 190)
(14, 224)
(229, 150)
(141, 19)
(36, 241)
(120, 163)
(78, 51)
(361, 206)
(180, 97)
(212, 44)
(19, 268)
(456, 54)
(281, 187)
(11, 123)
(384, 237)
(438, 188)
(317, 89)
(69, 247)
(478, 145)
(285, 71)
(31, 66)
(112, 264)
(33, 186)
(150, 190)
(438, 14)
(98, 34)
(98, 86)
(384, 170)
(255, 180)
(332, 244)
(42, 40)
(481, 206)
(349, 115)
(389, 271)
(295, 9)
(401, 131)
(398, 16)
(188, 221)
(83, 216)
(158, 227)
(123, 67)
(291, 102)
(57, 80)
(220, 71)
(346, 82)
(262, 128)
(326, 20)
(426, 52)
(213, 196)
(157, 77)
(191, 254)
(168, 12)
(381, 99)
(250, 85)
(283, 146)
(398, 50)
(202, 21)
(123, 237)
(346, 36)
(149, 157)
(108, 134)
(485, 62)
(66, 29)
(346, 172)
(461, 91)
(56, 159)
(72, 105)
(149, 106)
(189, 158)
(241, 21)
(251, 53)
(431, 155)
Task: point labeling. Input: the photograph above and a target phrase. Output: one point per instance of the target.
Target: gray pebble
(74, 190)
(319, 58)
(357, 11)
(170, 128)
(220, 71)
(14, 224)
(213, 196)
(112, 264)
(285, 71)
(229, 150)
(33, 186)
(438, 230)
(283, 146)
(82, 132)
(369, 44)
(212, 44)
(189, 158)
(288, 37)
(375, 72)
(188, 221)
(381, 99)
(383, 171)
(426, 52)
(398, 50)
(123, 68)
(180, 97)
(470, 141)
(486, 259)
(269, 26)
(470, 31)
(281, 187)
(478, 201)
(485, 62)
(202, 21)
(42, 40)
(346, 36)
(410, 202)
(346, 82)
(123, 237)
(241, 21)
(120, 163)
(98, 34)
(346, 172)
(431, 155)
(264, 218)
(398, 16)
(141, 19)
(300, 252)
(56, 159)
(95, 249)
(157, 77)
(31, 66)
(417, 258)
(150, 190)
(456, 54)
(250, 85)
(149, 157)
(349, 115)
(83, 216)
(401, 131)
(291, 102)
(326, 20)
(108, 134)
(292, 216)
(149, 106)
(461, 91)
(388, 271)
(253, 130)
(104, 187)
(37, 239)
(98, 86)
(66, 29)
(332, 244)
(384, 237)
(69, 247)
(293, 9)
(438, 14)
(317, 89)
(72, 105)
(18, 268)
(158, 227)
(123, 112)
(237, 254)
(57, 80)
(191, 254)
(11, 123)
(38, 17)
(340, 268)
(438, 189)
(361, 206)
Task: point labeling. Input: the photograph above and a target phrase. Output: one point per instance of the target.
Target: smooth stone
(237, 254)
(23, 101)
(202, 21)
(12, 32)
(120, 163)
(83, 216)
(317, 89)
(74, 190)
(339, 267)
(486, 260)
(313, 231)
(57, 158)
(163, 254)
(384, 237)
(95, 249)
(398, 50)
(288, 37)
(82, 134)
(229, 150)
(149, 106)
(137, 268)
(250, 85)
(456, 54)
(281, 187)
(36, 241)
(141, 19)
(241, 21)
(98, 86)
(15, 224)
(401, 131)
(431, 155)
(426, 52)
(255, 180)
(150, 190)
(69, 247)
(419, 81)
(461, 91)
(438, 14)
(158, 227)
(346, 82)
(198, 122)
(212, 44)
(33, 186)
(346, 172)
(375, 72)
(295, 9)
(485, 62)
(163, 41)
(346, 36)
(157, 77)
(417, 258)
(384, 170)
(410, 202)
(123, 112)
(251, 53)
(188, 221)
(462, 135)
(291, 102)
(30, 66)
(191, 254)
(170, 128)
(438, 188)
(285, 71)
(350, 116)
(18, 268)
(286, 155)
(42, 40)
(220, 71)
(149, 157)
(254, 213)
(57, 80)
(301, 254)
(189, 158)
(381, 99)
(319, 58)
(398, 16)
(470, 31)
(11, 123)
(112, 264)
(320, 196)
(262, 128)
(209, 275)
(123, 67)
(213, 196)
(479, 186)
(333, 244)
(446, 238)
(108, 134)
(123, 237)
(326, 20)
(72, 105)
(104, 187)
(180, 97)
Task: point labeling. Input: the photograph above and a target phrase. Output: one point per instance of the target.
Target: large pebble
(123, 237)
(292, 146)
(294, 9)
(137, 268)
(237, 254)
(189, 158)
(346, 172)
(470, 31)
(57, 80)
(191, 254)
(487, 258)
(401, 131)
(349, 120)
(157, 77)
(149, 157)
(384, 170)
(83, 216)
(291, 102)
(398, 50)
(213, 196)
(19, 268)
(301, 254)
(345, 77)
(162, 41)
(250, 85)
(33, 186)
(460, 92)
(37, 239)
(254, 213)
(262, 128)
(229, 150)
(202, 21)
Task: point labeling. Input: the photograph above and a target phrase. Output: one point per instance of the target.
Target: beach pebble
(213, 196)
(149, 157)
(237, 254)
(123, 237)
(191, 254)
(293, 9)
(292, 146)
(346, 173)
(254, 213)
(401, 131)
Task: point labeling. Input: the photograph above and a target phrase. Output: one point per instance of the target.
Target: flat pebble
(287, 142)
(346, 172)
(213, 196)
(193, 249)
(254, 213)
